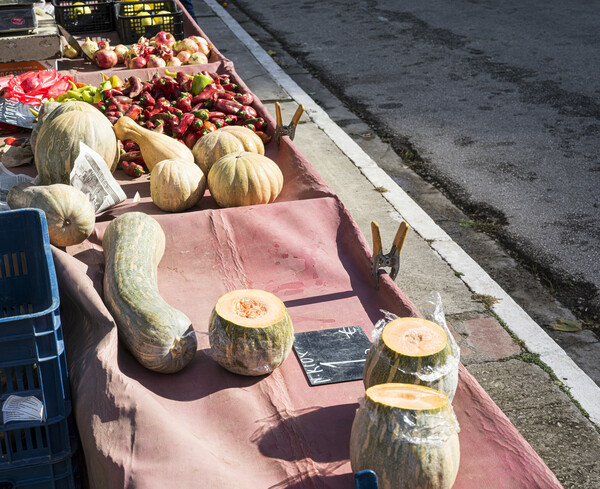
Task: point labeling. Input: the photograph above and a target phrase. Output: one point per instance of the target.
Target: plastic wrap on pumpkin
(413, 351)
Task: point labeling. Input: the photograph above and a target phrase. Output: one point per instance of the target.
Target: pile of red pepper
(182, 106)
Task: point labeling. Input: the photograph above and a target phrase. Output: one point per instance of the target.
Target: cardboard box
(7, 69)
(44, 44)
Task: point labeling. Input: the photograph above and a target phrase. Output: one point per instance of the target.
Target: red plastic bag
(34, 86)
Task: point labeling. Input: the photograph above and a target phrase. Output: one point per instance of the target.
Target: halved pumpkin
(250, 332)
(413, 351)
(408, 435)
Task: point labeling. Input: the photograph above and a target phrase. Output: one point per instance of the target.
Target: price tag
(330, 356)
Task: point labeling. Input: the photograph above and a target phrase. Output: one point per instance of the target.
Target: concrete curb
(536, 340)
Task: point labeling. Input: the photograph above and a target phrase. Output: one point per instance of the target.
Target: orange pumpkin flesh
(408, 435)
(413, 351)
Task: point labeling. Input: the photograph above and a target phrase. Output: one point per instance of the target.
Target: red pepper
(99, 105)
(230, 119)
(129, 145)
(132, 169)
(113, 113)
(244, 98)
(208, 127)
(218, 122)
(184, 102)
(228, 106)
(133, 87)
(190, 138)
(248, 112)
(219, 115)
(206, 93)
(134, 112)
(264, 136)
(13, 141)
(184, 124)
(111, 92)
(132, 156)
(147, 99)
(225, 95)
(230, 87)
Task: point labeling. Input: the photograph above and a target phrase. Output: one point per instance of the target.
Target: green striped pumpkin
(250, 332)
(159, 336)
(412, 351)
(408, 435)
(45, 111)
(57, 143)
(69, 213)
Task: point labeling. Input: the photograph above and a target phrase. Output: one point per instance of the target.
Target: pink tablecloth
(205, 427)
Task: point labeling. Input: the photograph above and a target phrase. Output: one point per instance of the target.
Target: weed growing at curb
(528, 357)
(487, 300)
(381, 190)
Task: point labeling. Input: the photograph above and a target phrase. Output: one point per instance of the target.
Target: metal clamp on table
(391, 259)
(290, 129)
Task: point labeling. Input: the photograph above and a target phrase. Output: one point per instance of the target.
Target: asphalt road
(499, 100)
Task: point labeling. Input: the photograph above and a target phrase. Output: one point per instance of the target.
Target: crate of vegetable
(179, 105)
(90, 17)
(146, 19)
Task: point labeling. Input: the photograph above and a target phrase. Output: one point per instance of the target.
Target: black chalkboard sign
(333, 355)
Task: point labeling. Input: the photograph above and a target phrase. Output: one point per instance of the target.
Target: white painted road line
(582, 388)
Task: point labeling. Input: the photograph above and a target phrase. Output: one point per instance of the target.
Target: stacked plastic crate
(34, 453)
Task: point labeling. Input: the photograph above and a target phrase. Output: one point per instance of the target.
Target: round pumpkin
(408, 435)
(412, 351)
(57, 144)
(244, 179)
(250, 332)
(69, 213)
(176, 185)
(229, 139)
(44, 112)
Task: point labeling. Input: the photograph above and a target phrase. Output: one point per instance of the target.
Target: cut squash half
(408, 435)
(250, 332)
(413, 351)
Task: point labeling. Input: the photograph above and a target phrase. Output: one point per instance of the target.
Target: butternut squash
(153, 146)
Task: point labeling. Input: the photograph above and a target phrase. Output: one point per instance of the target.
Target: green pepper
(199, 82)
(87, 96)
(105, 85)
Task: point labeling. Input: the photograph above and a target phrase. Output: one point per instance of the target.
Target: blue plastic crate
(60, 473)
(32, 356)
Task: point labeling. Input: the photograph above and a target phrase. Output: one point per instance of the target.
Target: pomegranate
(156, 62)
(203, 46)
(164, 52)
(164, 39)
(173, 61)
(137, 62)
(186, 45)
(184, 57)
(89, 47)
(105, 57)
(122, 51)
(197, 59)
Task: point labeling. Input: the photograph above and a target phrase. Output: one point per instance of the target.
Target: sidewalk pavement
(528, 392)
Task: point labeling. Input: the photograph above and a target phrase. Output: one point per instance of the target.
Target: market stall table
(206, 427)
